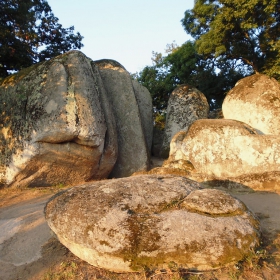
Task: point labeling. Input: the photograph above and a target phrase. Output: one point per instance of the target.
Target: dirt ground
(29, 251)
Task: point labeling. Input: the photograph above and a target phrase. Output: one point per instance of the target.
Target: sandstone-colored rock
(176, 153)
(267, 182)
(185, 105)
(53, 125)
(152, 221)
(58, 123)
(255, 100)
(133, 154)
(165, 171)
(227, 148)
(144, 101)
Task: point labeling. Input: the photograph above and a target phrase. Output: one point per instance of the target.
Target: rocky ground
(29, 251)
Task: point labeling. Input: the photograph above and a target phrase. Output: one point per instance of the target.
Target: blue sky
(124, 30)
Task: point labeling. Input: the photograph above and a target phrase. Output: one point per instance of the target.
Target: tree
(29, 33)
(183, 65)
(161, 78)
(246, 31)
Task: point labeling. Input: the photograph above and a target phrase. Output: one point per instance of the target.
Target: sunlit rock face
(57, 124)
(152, 222)
(185, 105)
(227, 150)
(255, 100)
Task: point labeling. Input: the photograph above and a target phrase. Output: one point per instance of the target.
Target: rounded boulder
(255, 100)
(153, 222)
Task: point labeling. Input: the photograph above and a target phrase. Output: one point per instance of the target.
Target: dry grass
(264, 263)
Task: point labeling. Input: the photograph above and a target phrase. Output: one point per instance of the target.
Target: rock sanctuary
(71, 120)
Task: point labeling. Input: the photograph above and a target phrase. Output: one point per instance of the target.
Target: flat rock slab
(152, 221)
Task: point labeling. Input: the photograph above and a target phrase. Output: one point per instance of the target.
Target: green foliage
(159, 120)
(183, 65)
(243, 30)
(166, 73)
(29, 33)
(233, 39)
(159, 84)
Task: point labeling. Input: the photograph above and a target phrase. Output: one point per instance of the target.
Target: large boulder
(132, 145)
(255, 100)
(185, 105)
(53, 126)
(228, 150)
(151, 221)
(58, 124)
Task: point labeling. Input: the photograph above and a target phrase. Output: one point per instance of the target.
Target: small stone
(213, 202)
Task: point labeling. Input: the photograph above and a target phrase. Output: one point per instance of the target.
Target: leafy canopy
(183, 65)
(29, 33)
(232, 39)
(243, 30)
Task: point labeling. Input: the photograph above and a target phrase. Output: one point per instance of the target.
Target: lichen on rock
(148, 221)
(59, 123)
(186, 104)
(255, 100)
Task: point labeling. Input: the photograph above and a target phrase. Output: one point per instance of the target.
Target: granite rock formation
(65, 121)
(152, 221)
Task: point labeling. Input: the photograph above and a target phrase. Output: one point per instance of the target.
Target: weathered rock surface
(227, 150)
(176, 153)
(255, 100)
(53, 127)
(132, 147)
(144, 101)
(185, 105)
(58, 124)
(152, 221)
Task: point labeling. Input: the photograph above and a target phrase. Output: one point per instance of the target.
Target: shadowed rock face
(132, 145)
(255, 100)
(151, 221)
(58, 125)
(144, 101)
(55, 127)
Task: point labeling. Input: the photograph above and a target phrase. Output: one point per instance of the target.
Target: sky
(124, 30)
